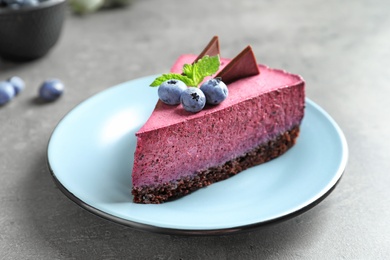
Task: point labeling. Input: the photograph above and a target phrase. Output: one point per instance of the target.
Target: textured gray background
(341, 49)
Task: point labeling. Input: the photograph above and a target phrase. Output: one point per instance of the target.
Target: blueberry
(193, 99)
(169, 91)
(10, 2)
(30, 2)
(215, 91)
(13, 3)
(17, 83)
(16, 4)
(7, 92)
(51, 89)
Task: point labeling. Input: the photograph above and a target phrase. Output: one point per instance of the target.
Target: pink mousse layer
(174, 143)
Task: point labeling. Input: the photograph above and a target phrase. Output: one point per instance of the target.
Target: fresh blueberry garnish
(215, 91)
(51, 89)
(7, 92)
(170, 91)
(193, 99)
(17, 83)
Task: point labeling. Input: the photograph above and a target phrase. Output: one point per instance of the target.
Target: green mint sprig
(193, 74)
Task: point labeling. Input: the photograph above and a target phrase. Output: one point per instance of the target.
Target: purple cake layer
(185, 185)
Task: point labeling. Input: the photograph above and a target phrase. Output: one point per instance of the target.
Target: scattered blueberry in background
(30, 2)
(170, 91)
(77, 6)
(17, 83)
(193, 99)
(51, 89)
(215, 91)
(7, 92)
(16, 4)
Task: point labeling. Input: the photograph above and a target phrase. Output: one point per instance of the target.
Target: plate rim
(213, 231)
(186, 232)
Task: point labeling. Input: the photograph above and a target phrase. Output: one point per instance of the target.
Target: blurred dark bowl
(29, 33)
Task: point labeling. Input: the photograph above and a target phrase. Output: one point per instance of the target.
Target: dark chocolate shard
(212, 49)
(242, 66)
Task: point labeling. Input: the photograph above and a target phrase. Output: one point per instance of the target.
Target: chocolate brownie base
(261, 154)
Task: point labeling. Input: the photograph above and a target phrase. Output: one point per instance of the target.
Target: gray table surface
(341, 49)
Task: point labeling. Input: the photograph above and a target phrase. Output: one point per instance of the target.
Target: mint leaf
(193, 74)
(164, 77)
(204, 67)
(207, 66)
(188, 70)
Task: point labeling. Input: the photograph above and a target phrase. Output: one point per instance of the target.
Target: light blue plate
(90, 155)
